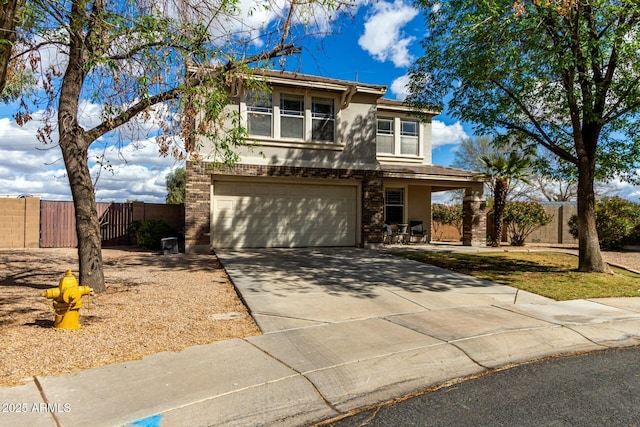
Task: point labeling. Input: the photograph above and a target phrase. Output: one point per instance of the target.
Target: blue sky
(376, 46)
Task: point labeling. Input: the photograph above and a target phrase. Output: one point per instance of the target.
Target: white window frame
(308, 118)
(401, 204)
(292, 114)
(323, 118)
(385, 133)
(260, 110)
(409, 137)
(399, 136)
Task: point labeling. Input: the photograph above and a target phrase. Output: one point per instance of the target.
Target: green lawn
(550, 274)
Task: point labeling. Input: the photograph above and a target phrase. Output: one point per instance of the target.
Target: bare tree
(132, 59)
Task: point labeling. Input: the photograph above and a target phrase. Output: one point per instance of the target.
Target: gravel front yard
(153, 303)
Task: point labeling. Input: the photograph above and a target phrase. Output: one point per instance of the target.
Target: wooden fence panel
(58, 223)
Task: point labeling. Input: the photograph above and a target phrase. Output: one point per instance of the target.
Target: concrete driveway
(288, 289)
(294, 288)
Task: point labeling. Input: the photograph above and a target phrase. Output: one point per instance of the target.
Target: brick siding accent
(197, 206)
(373, 210)
(474, 222)
(198, 199)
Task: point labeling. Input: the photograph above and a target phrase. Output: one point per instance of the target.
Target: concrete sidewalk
(343, 328)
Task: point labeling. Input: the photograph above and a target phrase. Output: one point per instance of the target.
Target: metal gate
(115, 223)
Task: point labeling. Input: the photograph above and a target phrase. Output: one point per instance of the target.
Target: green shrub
(617, 222)
(149, 235)
(522, 219)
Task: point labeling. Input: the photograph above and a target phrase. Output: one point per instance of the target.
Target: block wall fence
(556, 232)
(20, 222)
(31, 223)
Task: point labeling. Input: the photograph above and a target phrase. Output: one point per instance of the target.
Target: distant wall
(557, 231)
(30, 223)
(446, 233)
(20, 222)
(171, 214)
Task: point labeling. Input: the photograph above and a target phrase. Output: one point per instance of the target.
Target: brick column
(474, 217)
(372, 210)
(197, 208)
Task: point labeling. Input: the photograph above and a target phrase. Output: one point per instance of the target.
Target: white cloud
(619, 188)
(383, 37)
(443, 134)
(137, 170)
(399, 87)
(254, 20)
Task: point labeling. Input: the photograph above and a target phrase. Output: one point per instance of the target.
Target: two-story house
(336, 162)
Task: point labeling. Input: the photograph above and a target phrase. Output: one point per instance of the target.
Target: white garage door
(247, 214)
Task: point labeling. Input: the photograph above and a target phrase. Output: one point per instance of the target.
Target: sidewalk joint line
(505, 331)
(326, 401)
(530, 315)
(378, 356)
(586, 337)
(407, 299)
(469, 356)
(598, 301)
(226, 393)
(508, 308)
(46, 401)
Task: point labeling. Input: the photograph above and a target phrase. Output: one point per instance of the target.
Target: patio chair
(389, 235)
(416, 230)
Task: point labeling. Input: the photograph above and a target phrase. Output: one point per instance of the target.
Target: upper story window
(323, 119)
(259, 113)
(398, 136)
(292, 116)
(409, 137)
(384, 137)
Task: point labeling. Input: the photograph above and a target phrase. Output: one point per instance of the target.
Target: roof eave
(399, 106)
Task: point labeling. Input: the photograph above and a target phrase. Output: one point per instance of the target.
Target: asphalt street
(597, 389)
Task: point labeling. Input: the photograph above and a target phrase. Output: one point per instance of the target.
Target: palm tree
(503, 171)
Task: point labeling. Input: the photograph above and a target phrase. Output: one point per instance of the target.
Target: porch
(408, 193)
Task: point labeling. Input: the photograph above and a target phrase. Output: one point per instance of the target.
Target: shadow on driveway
(356, 272)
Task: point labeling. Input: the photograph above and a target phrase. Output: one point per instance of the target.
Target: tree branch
(194, 81)
(130, 54)
(542, 134)
(554, 148)
(132, 111)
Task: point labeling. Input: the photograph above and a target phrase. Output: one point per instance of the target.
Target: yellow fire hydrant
(67, 300)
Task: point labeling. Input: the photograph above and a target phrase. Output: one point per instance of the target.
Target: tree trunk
(87, 223)
(499, 200)
(74, 144)
(589, 255)
(7, 36)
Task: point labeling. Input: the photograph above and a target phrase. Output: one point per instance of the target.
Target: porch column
(197, 208)
(474, 216)
(372, 210)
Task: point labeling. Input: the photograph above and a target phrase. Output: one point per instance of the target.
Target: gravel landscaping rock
(153, 303)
